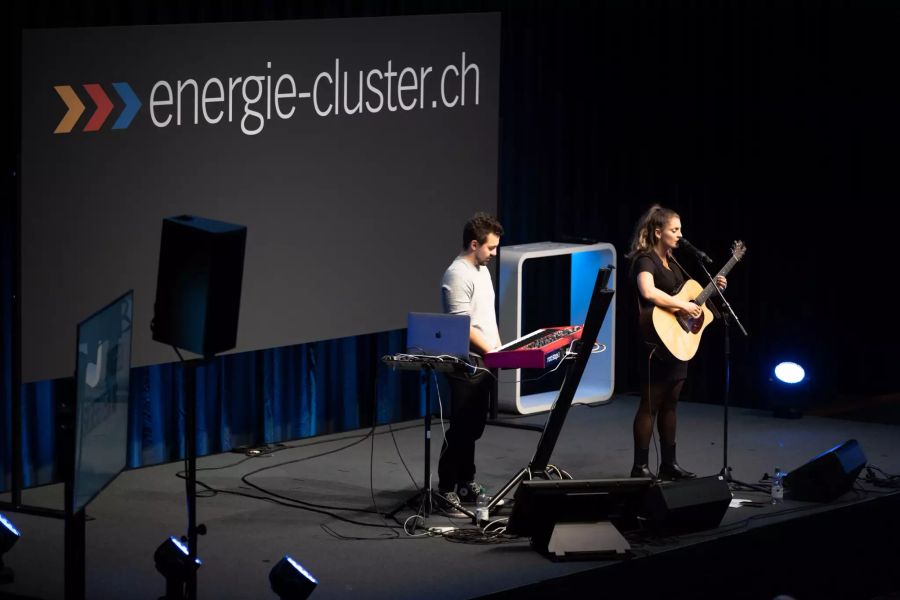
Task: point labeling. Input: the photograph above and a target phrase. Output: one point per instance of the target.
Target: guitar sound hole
(691, 325)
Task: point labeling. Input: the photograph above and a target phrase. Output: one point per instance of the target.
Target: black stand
(190, 479)
(74, 562)
(538, 465)
(74, 521)
(599, 305)
(424, 499)
(727, 314)
(726, 468)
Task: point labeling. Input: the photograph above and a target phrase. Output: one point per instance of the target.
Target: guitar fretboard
(710, 288)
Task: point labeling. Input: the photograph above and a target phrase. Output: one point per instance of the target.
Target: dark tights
(661, 399)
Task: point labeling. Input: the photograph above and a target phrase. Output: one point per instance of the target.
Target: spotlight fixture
(291, 581)
(172, 562)
(789, 390)
(9, 535)
(789, 372)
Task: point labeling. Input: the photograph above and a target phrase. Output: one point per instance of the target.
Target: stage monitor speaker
(690, 505)
(578, 518)
(828, 475)
(198, 286)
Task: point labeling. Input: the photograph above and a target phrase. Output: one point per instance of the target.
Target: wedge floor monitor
(541, 504)
(827, 476)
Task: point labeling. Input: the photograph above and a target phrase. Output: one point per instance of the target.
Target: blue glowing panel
(585, 266)
(103, 366)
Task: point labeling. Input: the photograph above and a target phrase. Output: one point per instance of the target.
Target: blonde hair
(643, 240)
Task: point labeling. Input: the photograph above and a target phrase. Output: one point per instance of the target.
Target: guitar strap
(684, 272)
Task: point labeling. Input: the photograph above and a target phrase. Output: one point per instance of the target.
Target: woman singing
(658, 278)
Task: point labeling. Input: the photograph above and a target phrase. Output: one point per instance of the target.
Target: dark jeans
(470, 397)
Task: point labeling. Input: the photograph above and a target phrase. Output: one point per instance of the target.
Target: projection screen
(352, 149)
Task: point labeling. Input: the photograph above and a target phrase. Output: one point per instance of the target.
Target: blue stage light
(789, 392)
(172, 561)
(9, 535)
(291, 581)
(789, 372)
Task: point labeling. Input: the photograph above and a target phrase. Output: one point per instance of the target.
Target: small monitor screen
(103, 366)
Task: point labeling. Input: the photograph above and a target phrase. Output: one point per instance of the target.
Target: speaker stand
(190, 480)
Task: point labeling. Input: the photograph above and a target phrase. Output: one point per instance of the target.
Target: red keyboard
(537, 350)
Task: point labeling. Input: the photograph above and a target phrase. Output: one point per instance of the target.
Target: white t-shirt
(469, 290)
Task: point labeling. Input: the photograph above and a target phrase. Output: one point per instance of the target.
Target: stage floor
(247, 536)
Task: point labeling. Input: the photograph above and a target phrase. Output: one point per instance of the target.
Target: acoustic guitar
(681, 334)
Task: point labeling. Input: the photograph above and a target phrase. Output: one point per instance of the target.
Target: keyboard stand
(599, 306)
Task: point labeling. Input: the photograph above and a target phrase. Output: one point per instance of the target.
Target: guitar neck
(710, 288)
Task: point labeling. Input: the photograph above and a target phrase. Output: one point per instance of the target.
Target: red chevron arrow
(104, 106)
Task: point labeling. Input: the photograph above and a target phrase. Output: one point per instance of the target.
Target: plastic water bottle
(481, 507)
(777, 486)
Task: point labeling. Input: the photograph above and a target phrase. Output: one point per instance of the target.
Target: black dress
(663, 367)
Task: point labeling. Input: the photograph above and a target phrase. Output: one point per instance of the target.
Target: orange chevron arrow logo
(74, 105)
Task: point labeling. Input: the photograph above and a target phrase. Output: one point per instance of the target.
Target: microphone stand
(727, 314)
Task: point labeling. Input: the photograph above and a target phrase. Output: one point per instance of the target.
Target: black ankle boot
(641, 471)
(673, 472)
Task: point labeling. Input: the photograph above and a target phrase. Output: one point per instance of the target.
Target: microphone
(697, 252)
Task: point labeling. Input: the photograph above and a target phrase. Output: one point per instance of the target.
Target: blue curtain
(247, 399)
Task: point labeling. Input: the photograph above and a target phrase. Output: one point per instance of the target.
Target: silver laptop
(437, 334)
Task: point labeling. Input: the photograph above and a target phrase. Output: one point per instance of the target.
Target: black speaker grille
(827, 476)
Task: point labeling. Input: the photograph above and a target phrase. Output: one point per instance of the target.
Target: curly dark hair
(479, 226)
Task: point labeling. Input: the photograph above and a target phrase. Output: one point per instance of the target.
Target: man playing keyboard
(467, 288)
